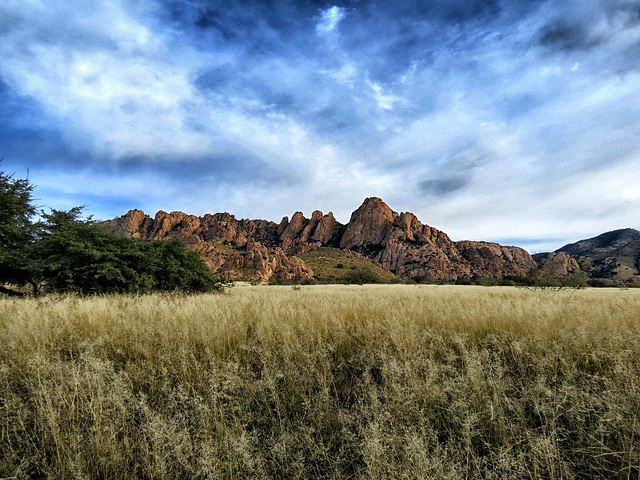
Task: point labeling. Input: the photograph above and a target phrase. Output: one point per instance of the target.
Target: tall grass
(329, 382)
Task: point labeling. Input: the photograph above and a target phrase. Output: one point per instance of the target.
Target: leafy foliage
(535, 279)
(76, 255)
(16, 229)
(64, 253)
(360, 277)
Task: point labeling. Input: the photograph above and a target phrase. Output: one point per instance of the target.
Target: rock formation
(408, 248)
(559, 263)
(369, 224)
(259, 249)
(489, 259)
(230, 247)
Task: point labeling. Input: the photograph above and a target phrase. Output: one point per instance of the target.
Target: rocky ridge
(260, 249)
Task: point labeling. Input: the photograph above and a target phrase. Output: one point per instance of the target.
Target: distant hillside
(613, 255)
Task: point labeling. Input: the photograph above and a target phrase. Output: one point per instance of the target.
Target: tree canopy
(61, 252)
(16, 228)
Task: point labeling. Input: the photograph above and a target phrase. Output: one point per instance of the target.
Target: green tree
(16, 229)
(173, 266)
(63, 252)
(76, 255)
(540, 280)
(361, 276)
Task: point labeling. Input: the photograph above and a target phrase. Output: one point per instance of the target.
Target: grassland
(332, 382)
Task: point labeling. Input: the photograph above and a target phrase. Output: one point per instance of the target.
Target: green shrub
(361, 277)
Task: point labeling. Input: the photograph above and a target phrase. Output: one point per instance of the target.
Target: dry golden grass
(333, 382)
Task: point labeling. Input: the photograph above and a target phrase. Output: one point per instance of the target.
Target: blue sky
(514, 121)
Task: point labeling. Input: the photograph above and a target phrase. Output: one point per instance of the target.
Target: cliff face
(489, 259)
(260, 249)
(405, 246)
(230, 247)
(557, 263)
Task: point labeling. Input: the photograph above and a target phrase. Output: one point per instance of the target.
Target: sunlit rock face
(408, 248)
(261, 249)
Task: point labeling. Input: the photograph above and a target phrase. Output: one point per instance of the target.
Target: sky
(515, 121)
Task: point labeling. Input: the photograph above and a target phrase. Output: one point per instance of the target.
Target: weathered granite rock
(369, 224)
(560, 263)
(399, 242)
(488, 259)
(202, 234)
(325, 229)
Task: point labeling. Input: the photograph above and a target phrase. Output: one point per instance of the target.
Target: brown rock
(284, 223)
(132, 224)
(310, 227)
(325, 229)
(268, 265)
(400, 243)
(489, 259)
(560, 263)
(368, 224)
(295, 227)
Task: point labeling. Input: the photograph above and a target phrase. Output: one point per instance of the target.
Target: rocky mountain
(613, 255)
(408, 248)
(260, 249)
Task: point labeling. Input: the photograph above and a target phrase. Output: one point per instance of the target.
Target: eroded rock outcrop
(398, 242)
(369, 224)
(230, 247)
(408, 248)
(488, 259)
(560, 263)
(302, 234)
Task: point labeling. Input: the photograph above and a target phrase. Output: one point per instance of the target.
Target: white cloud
(133, 100)
(346, 75)
(384, 102)
(329, 20)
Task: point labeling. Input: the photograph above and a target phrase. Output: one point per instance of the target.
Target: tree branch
(11, 293)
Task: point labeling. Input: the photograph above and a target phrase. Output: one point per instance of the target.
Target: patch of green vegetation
(225, 248)
(63, 253)
(623, 272)
(332, 265)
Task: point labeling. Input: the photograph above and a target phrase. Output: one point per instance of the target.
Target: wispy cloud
(329, 20)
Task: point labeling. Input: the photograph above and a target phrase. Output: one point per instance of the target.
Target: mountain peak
(368, 224)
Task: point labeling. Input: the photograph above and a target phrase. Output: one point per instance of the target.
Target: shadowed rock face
(397, 241)
(369, 224)
(233, 247)
(489, 259)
